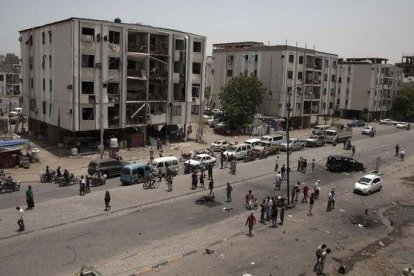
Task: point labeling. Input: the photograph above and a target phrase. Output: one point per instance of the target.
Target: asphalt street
(66, 249)
(48, 191)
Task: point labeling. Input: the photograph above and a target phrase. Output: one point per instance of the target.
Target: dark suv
(110, 167)
(356, 123)
(339, 163)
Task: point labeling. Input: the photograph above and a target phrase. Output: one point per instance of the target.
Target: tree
(403, 104)
(366, 115)
(240, 98)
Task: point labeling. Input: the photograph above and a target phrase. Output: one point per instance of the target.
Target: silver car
(368, 184)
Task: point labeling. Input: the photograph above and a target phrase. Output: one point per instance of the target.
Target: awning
(13, 143)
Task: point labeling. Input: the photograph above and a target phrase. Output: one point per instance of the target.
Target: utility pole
(288, 149)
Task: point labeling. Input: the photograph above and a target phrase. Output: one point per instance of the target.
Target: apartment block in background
(407, 66)
(82, 74)
(10, 92)
(366, 83)
(309, 75)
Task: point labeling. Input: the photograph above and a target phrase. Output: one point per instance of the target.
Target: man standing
(331, 201)
(277, 163)
(222, 158)
(151, 152)
(278, 181)
(282, 214)
(87, 185)
(319, 270)
(29, 199)
(311, 202)
(305, 193)
(283, 172)
(211, 187)
(107, 200)
(274, 215)
(251, 221)
(229, 189)
(300, 164)
(397, 150)
(194, 181)
(210, 171)
(20, 221)
(262, 211)
(317, 188)
(353, 150)
(319, 252)
(82, 184)
(313, 165)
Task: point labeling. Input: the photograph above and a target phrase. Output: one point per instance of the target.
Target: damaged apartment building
(133, 81)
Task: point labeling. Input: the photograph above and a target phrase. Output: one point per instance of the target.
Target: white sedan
(387, 122)
(368, 130)
(367, 184)
(403, 125)
(294, 144)
(200, 159)
(219, 144)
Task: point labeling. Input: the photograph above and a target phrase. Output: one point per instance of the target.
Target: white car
(368, 130)
(387, 122)
(294, 144)
(367, 184)
(403, 125)
(200, 159)
(219, 144)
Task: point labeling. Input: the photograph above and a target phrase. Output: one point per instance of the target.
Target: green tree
(366, 115)
(403, 104)
(240, 98)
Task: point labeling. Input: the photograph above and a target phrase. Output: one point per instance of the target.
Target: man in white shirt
(278, 181)
(20, 220)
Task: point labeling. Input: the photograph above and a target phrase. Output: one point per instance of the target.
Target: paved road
(48, 191)
(65, 249)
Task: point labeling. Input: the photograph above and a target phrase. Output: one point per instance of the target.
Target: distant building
(368, 83)
(309, 75)
(407, 66)
(82, 75)
(10, 91)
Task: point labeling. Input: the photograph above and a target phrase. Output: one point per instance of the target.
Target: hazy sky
(349, 28)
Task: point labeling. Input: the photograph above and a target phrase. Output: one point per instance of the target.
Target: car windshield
(364, 181)
(197, 158)
(231, 149)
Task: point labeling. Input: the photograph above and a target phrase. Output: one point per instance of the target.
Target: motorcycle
(24, 162)
(98, 179)
(251, 156)
(71, 180)
(9, 185)
(48, 178)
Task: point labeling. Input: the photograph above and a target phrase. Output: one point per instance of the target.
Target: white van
(274, 139)
(160, 164)
(253, 142)
(320, 129)
(238, 151)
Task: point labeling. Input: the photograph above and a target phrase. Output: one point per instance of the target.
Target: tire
(43, 179)
(156, 184)
(74, 181)
(145, 185)
(16, 187)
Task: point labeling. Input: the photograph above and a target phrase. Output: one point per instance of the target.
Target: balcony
(137, 42)
(159, 44)
(137, 74)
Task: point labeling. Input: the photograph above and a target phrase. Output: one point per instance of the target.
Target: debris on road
(381, 243)
(341, 210)
(225, 209)
(208, 251)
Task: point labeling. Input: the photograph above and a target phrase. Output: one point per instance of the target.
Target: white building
(10, 92)
(82, 74)
(367, 83)
(308, 75)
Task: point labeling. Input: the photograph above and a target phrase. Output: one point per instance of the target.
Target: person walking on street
(353, 150)
(211, 187)
(250, 222)
(313, 165)
(151, 153)
(397, 150)
(269, 207)
(277, 163)
(20, 221)
(274, 215)
(87, 185)
(297, 187)
(319, 270)
(249, 200)
(229, 189)
(194, 180)
(262, 211)
(319, 251)
(300, 164)
(293, 194)
(107, 200)
(210, 171)
(305, 193)
(282, 214)
(278, 181)
(311, 202)
(29, 198)
(222, 158)
(304, 165)
(317, 189)
(331, 201)
(202, 181)
(283, 172)
(82, 184)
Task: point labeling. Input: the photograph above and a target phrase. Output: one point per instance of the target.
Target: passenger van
(108, 166)
(253, 142)
(160, 164)
(238, 151)
(274, 139)
(134, 173)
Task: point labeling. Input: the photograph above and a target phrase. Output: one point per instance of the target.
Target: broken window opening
(180, 45)
(114, 63)
(197, 47)
(87, 87)
(196, 68)
(88, 61)
(114, 37)
(88, 114)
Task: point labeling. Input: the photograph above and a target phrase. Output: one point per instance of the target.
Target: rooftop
(364, 60)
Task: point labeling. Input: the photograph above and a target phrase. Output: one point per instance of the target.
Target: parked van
(134, 173)
(274, 139)
(253, 142)
(107, 166)
(238, 151)
(160, 164)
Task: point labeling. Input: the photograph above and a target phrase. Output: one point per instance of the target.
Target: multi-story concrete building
(309, 76)
(366, 83)
(407, 65)
(10, 92)
(82, 75)
(209, 80)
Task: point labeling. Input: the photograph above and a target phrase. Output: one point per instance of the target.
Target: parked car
(403, 125)
(135, 173)
(160, 164)
(368, 184)
(387, 122)
(356, 123)
(274, 139)
(368, 130)
(267, 147)
(315, 141)
(219, 144)
(108, 166)
(294, 144)
(238, 151)
(253, 142)
(200, 159)
(340, 163)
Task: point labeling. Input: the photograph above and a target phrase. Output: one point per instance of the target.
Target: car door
(376, 184)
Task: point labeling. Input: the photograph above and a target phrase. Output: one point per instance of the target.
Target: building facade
(368, 84)
(407, 66)
(10, 91)
(83, 75)
(306, 76)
